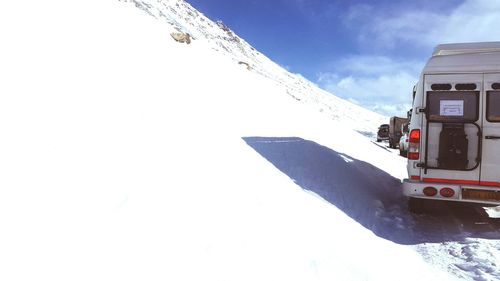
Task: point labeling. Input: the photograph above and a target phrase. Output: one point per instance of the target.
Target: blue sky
(369, 52)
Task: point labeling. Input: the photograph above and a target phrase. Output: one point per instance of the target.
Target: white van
(454, 140)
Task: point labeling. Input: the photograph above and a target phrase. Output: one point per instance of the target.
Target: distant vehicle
(454, 139)
(383, 132)
(395, 130)
(403, 141)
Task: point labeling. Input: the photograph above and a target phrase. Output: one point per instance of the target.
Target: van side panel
(416, 123)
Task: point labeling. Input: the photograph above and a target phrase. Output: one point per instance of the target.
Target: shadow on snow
(367, 194)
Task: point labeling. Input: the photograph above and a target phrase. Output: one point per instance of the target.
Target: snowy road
(373, 198)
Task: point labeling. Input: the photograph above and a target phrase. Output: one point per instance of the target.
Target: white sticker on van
(451, 107)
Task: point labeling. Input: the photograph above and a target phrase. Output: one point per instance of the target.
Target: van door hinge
(421, 109)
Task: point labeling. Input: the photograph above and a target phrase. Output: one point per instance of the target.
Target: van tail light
(447, 192)
(414, 145)
(430, 191)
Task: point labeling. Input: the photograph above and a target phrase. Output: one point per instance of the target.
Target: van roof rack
(466, 48)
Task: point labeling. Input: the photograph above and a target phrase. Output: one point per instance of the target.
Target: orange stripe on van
(438, 180)
(470, 182)
(490, 183)
(415, 177)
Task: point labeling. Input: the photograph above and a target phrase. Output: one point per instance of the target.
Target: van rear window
(493, 106)
(453, 106)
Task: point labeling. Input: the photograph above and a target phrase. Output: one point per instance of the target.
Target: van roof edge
(466, 48)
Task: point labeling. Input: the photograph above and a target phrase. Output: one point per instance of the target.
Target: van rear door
(490, 168)
(451, 128)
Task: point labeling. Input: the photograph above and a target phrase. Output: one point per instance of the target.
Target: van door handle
(492, 137)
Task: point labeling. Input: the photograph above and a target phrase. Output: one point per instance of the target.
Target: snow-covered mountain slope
(181, 16)
(128, 156)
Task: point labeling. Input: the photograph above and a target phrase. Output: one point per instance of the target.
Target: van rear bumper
(462, 193)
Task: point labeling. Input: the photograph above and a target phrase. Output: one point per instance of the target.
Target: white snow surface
(125, 155)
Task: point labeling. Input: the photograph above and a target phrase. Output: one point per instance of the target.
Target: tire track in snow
(465, 241)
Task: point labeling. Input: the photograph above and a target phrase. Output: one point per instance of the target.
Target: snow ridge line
(184, 18)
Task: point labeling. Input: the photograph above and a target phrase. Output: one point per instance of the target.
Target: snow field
(129, 156)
